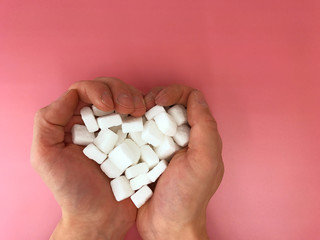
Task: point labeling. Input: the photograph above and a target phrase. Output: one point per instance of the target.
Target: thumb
(50, 121)
(205, 142)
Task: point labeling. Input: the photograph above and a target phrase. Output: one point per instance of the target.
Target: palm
(81, 187)
(171, 192)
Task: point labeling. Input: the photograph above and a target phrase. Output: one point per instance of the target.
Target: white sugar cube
(166, 149)
(89, 119)
(154, 111)
(179, 113)
(92, 152)
(121, 137)
(121, 188)
(110, 169)
(135, 150)
(123, 156)
(132, 124)
(182, 135)
(149, 156)
(110, 120)
(136, 137)
(99, 113)
(166, 124)
(106, 140)
(136, 170)
(81, 135)
(157, 170)
(139, 181)
(151, 133)
(177, 148)
(141, 196)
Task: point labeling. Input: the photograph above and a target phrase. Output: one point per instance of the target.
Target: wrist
(191, 231)
(69, 229)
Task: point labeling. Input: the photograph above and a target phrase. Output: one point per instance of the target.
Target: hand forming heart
(89, 210)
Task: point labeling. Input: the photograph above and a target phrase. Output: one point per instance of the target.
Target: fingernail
(106, 99)
(125, 100)
(200, 98)
(138, 102)
(149, 97)
(161, 98)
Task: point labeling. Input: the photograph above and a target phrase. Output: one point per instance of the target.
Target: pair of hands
(177, 209)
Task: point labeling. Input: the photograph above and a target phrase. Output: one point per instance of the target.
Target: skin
(177, 209)
(89, 211)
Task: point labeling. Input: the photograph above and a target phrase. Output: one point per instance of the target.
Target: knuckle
(77, 83)
(107, 79)
(210, 123)
(39, 114)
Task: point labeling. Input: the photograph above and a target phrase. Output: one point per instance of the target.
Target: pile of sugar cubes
(132, 151)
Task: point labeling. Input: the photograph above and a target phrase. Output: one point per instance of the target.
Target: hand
(89, 209)
(177, 209)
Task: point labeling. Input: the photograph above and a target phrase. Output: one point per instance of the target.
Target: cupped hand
(177, 209)
(89, 209)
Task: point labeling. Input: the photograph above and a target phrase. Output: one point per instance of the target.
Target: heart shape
(132, 151)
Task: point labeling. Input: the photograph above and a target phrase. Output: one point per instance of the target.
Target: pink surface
(256, 61)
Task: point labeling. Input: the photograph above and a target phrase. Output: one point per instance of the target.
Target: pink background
(256, 61)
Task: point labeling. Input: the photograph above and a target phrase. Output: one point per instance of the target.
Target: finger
(96, 93)
(50, 121)
(80, 106)
(68, 138)
(138, 102)
(174, 94)
(149, 98)
(72, 121)
(122, 94)
(205, 143)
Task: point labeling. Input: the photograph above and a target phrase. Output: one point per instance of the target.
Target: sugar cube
(179, 113)
(121, 137)
(81, 135)
(166, 124)
(92, 152)
(182, 135)
(151, 133)
(136, 170)
(110, 169)
(149, 156)
(132, 124)
(121, 188)
(89, 119)
(105, 140)
(110, 120)
(154, 111)
(157, 170)
(123, 156)
(136, 137)
(166, 149)
(135, 150)
(139, 181)
(141, 196)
